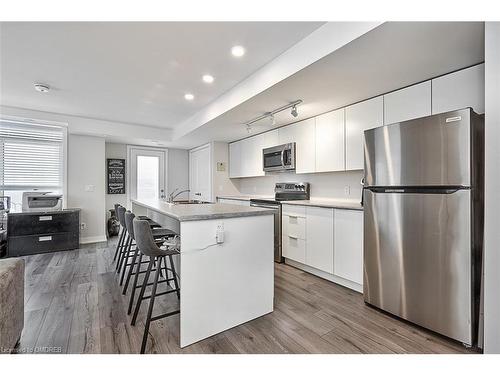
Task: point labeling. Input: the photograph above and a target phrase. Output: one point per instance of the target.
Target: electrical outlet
(347, 190)
(219, 235)
(83, 226)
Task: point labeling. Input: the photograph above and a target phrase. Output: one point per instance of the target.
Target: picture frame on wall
(116, 176)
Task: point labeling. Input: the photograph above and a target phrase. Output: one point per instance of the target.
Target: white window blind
(31, 156)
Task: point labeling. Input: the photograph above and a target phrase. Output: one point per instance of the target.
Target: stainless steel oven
(279, 158)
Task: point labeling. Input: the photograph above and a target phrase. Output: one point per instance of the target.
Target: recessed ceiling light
(42, 87)
(207, 78)
(189, 96)
(238, 51)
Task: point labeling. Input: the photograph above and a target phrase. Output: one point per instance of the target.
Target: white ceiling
(133, 72)
(392, 56)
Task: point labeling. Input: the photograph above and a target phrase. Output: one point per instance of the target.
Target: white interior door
(146, 173)
(200, 179)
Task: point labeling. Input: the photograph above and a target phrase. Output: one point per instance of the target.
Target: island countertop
(203, 211)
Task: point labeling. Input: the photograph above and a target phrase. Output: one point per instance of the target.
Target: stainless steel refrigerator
(423, 220)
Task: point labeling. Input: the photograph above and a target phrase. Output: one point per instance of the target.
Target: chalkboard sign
(116, 176)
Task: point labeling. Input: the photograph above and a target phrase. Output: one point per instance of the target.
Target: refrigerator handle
(362, 183)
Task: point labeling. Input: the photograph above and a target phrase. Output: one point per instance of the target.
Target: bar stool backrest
(116, 208)
(121, 215)
(145, 242)
(129, 219)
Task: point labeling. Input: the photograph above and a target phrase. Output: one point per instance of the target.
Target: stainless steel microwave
(279, 158)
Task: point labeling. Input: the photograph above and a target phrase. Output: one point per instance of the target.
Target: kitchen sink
(190, 202)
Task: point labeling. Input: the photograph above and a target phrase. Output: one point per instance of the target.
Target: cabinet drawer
(25, 245)
(294, 226)
(294, 248)
(293, 210)
(23, 225)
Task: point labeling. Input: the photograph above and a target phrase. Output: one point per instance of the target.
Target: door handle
(283, 157)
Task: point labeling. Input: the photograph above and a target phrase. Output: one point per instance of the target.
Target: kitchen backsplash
(331, 185)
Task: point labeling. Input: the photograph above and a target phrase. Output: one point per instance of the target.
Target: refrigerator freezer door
(417, 259)
(430, 151)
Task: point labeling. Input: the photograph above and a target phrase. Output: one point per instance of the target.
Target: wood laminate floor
(73, 304)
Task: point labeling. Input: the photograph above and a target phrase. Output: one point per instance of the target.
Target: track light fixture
(294, 112)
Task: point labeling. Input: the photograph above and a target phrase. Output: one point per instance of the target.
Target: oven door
(279, 158)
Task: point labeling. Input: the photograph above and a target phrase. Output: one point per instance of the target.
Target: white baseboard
(324, 275)
(92, 239)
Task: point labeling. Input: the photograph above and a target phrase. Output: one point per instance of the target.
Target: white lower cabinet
(319, 238)
(348, 244)
(326, 241)
(294, 233)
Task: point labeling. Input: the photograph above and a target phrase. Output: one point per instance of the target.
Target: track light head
(294, 111)
(272, 119)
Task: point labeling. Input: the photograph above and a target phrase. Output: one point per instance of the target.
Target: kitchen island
(222, 284)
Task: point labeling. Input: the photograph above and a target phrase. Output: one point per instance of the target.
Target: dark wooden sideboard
(42, 232)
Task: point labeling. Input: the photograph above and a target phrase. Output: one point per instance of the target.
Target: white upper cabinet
(303, 134)
(408, 103)
(330, 154)
(245, 156)
(458, 90)
(235, 159)
(319, 238)
(358, 118)
(348, 245)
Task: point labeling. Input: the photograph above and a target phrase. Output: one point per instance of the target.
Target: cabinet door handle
(45, 218)
(293, 237)
(44, 238)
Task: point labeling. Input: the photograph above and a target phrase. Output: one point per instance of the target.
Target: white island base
(226, 284)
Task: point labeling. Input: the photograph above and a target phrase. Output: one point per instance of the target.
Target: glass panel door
(147, 173)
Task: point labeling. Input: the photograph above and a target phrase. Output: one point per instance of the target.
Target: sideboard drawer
(26, 245)
(29, 224)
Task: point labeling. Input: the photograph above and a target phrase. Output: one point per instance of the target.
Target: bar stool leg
(125, 250)
(143, 289)
(130, 270)
(172, 267)
(125, 263)
(122, 249)
(119, 244)
(134, 286)
(150, 309)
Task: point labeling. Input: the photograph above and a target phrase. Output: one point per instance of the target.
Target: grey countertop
(194, 212)
(348, 204)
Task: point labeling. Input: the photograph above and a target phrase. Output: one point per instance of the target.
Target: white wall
(492, 189)
(86, 168)
(222, 185)
(116, 151)
(323, 185)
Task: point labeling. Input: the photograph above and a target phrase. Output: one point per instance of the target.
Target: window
(148, 177)
(31, 157)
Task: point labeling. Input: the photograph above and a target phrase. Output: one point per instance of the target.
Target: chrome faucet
(174, 195)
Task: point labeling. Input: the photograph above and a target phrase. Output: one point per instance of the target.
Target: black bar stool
(122, 232)
(148, 247)
(121, 217)
(159, 235)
